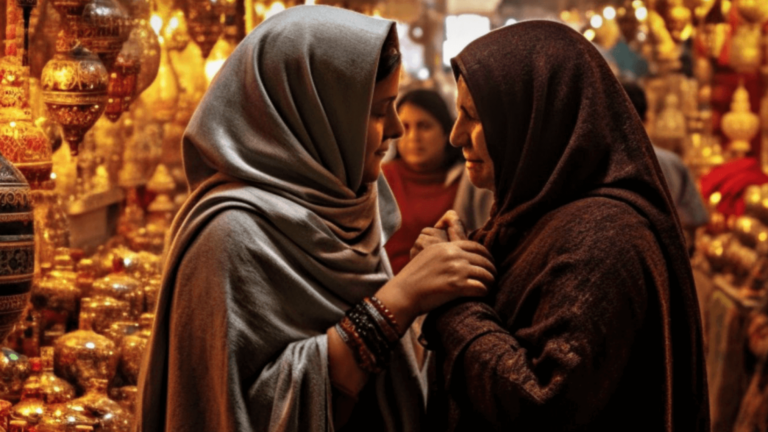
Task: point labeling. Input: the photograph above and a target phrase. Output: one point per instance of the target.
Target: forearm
(347, 378)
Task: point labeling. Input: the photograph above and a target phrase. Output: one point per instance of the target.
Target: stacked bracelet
(370, 330)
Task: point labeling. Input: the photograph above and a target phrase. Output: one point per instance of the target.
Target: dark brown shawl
(594, 324)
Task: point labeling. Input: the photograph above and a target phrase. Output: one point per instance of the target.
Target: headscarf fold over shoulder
(280, 138)
(559, 127)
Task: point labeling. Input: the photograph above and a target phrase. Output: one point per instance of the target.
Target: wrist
(402, 307)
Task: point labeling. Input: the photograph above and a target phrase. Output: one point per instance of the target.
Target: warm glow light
(53, 176)
(609, 13)
(565, 15)
(460, 30)
(423, 73)
(13, 124)
(715, 198)
(275, 9)
(309, 2)
(596, 21)
(510, 21)
(377, 14)
(156, 23)
(589, 34)
(219, 54)
(260, 9)
(637, 4)
(641, 37)
(641, 13)
(173, 24)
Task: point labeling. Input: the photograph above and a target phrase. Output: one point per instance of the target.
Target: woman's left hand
(448, 228)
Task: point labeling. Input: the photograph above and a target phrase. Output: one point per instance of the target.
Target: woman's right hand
(440, 273)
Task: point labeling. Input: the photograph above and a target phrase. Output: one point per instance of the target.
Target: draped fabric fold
(584, 234)
(278, 238)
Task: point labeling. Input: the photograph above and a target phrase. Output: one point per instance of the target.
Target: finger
(456, 232)
(473, 288)
(452, 222)
(478, 261)
(435, 232)
(450, 217)
(474, 247)
(482, 275)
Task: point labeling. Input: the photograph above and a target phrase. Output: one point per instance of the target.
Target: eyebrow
(387, 100)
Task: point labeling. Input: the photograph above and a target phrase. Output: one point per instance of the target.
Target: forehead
(464, 98)
(409, 110)
(389, 86)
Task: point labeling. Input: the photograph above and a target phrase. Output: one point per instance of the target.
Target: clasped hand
(444, 266)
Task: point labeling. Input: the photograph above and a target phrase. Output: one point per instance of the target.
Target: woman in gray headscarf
(283, 233)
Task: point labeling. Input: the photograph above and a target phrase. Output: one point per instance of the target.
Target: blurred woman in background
(427, 175)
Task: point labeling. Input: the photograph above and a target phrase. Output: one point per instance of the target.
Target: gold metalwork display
(83, 355)
(740, 124)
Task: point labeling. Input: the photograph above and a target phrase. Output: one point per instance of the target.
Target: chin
(480, 181)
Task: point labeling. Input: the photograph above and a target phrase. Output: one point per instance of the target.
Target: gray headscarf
(274, 244)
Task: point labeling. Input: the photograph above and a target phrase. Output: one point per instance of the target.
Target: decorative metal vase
(83, 355)
(14, 370)
(17, 246)
(96, 404)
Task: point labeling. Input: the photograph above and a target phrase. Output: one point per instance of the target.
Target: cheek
(373, 138)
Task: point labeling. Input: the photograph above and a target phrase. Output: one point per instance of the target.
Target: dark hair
(637, 97)
(431, 102)
(390, 56)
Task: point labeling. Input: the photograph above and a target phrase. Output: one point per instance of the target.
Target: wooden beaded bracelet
(386, 313)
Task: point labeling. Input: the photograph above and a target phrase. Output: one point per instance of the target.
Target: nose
(459, 138)
(395, 128)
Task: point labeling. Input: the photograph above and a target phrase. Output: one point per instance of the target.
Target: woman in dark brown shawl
(594, 323)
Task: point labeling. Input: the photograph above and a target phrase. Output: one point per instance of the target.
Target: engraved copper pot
(53, 390)
(17, 246)
(83, 355)
(109, 415)
(14, 370)
(119, 285)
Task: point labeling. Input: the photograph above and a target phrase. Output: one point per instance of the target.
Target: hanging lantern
(138, 9)
(75, 86)
(21, 141)
(149, 48)
(163, 94)
(102, 28)
(26, 6)
(189, 67)
(204, 21)
(176, 33)
(122, 81)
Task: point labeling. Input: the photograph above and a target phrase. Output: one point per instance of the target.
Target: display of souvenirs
(95, 97)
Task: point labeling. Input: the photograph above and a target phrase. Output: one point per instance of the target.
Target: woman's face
(468, 134)
(422, 146)
(383, 125)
